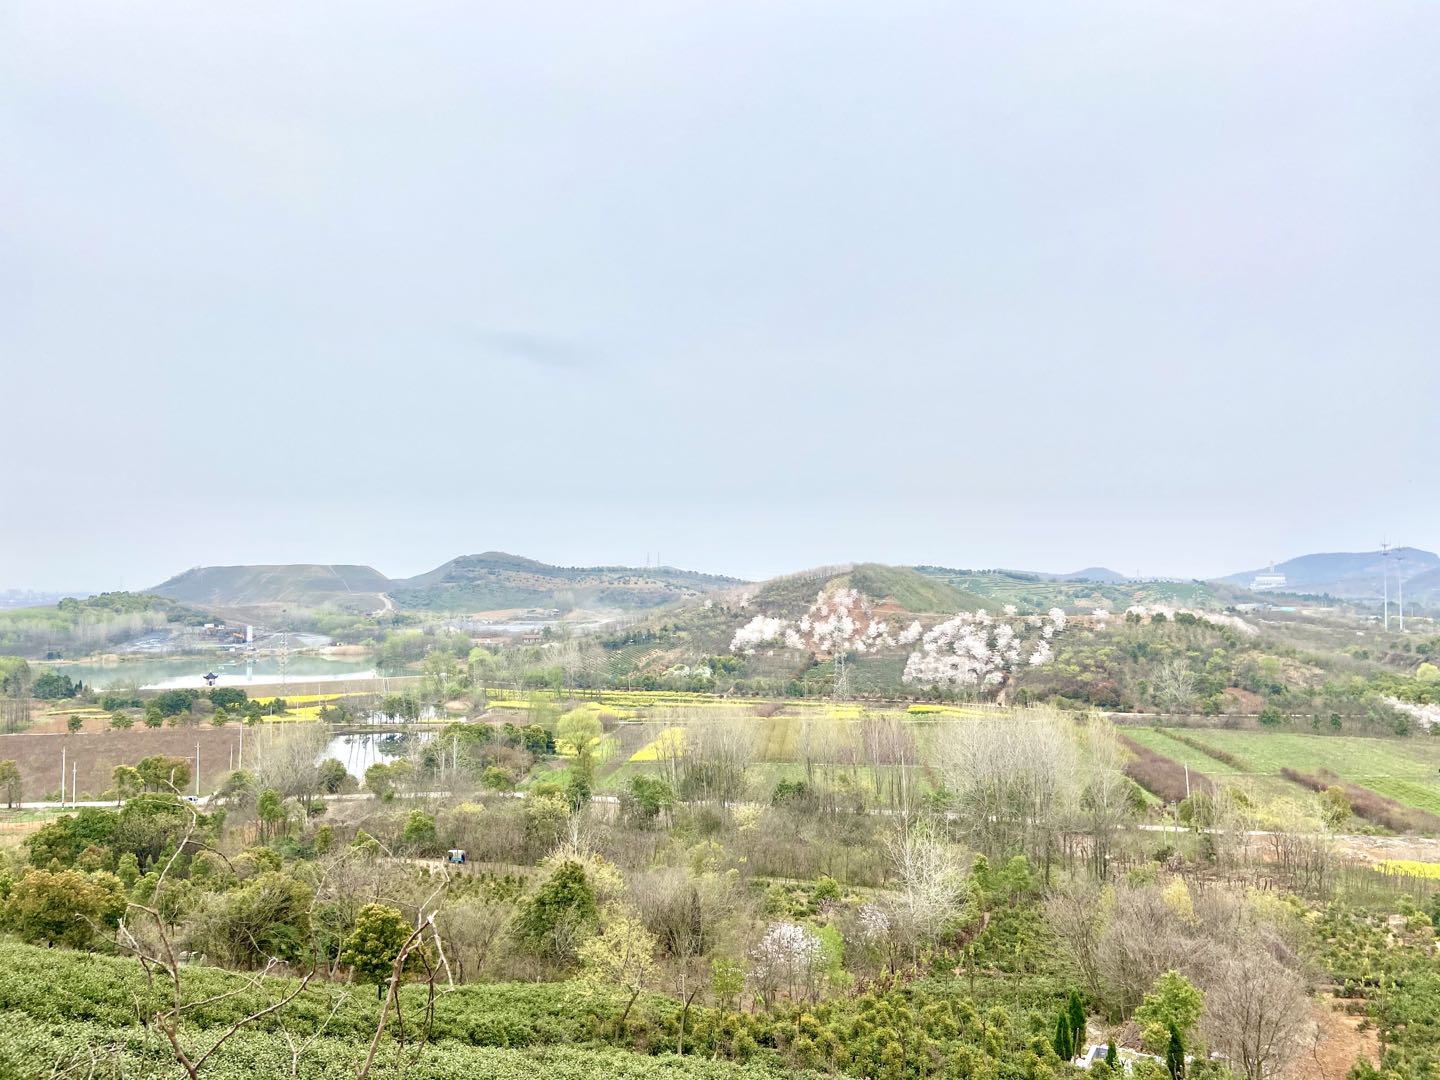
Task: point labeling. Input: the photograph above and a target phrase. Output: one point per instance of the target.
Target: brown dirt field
(1377, 849)
(1338, 1045)
(95, 754)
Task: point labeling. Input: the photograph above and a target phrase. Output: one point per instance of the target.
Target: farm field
(1256, 785)
(645, 730)
(1406, 770)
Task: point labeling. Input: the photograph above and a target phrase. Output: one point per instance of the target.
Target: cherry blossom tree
(970, 649)
(977, 649)
(838, 623)
(761, 630)
(787, 959)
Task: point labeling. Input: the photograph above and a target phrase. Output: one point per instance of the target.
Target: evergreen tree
(1076, 1009)
(1175, 1054)
(1064, 1047)
(1112, 1056)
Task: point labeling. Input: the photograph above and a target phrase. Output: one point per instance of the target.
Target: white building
(1272, 580)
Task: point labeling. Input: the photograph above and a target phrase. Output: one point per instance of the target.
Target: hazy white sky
(756, 285)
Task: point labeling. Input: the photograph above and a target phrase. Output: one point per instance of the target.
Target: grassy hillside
(495, 581)
(300, 585)
(915, 592)
(908, 589)
(1035, 591)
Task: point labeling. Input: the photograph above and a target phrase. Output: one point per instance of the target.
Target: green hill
(915, 592)
(688, 635)
(495, 581)
(1030, 591)
(298, 585)
(492, 581)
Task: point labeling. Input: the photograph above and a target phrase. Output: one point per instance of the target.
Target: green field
(1406, 770)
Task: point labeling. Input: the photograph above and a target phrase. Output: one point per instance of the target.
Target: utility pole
(197, 768)
(62, 776)
(1385, 576)
(1187, 781)
(73, 763)
(240, 757)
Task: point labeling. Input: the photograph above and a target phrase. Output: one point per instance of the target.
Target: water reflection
(233, 671)
(360, 750)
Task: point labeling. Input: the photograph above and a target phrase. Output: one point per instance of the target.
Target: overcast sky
(753, 285)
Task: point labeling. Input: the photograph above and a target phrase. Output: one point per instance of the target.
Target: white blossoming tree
(838, 623)
(969, 650)
(788, 960)
(975, 649)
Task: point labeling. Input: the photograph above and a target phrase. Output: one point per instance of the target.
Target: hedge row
(31, 1049)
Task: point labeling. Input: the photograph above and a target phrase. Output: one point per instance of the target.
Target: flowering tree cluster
(969, 649)
(761, 630)
(836, 625)
(839, 622)
(977, 649)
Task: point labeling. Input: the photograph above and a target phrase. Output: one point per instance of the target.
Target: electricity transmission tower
(841, 690)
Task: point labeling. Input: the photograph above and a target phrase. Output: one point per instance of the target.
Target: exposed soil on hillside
(1338, 1044)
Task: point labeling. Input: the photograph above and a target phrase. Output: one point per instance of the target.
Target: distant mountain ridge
(1356, 575)
(1102, 574)
(491, 581)
(495, 580)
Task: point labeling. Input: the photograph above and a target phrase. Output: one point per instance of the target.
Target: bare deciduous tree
(1079, 913)
(1256, 1011)
(889, 751)
(1104, 804)
(717, 753)
(1013, 780)
(1174, 685)
(287, 758)
(930, 883)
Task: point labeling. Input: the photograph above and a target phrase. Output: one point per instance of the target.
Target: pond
(363, 749)
(234, 670)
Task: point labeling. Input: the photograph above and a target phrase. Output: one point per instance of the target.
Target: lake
(241, 671)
